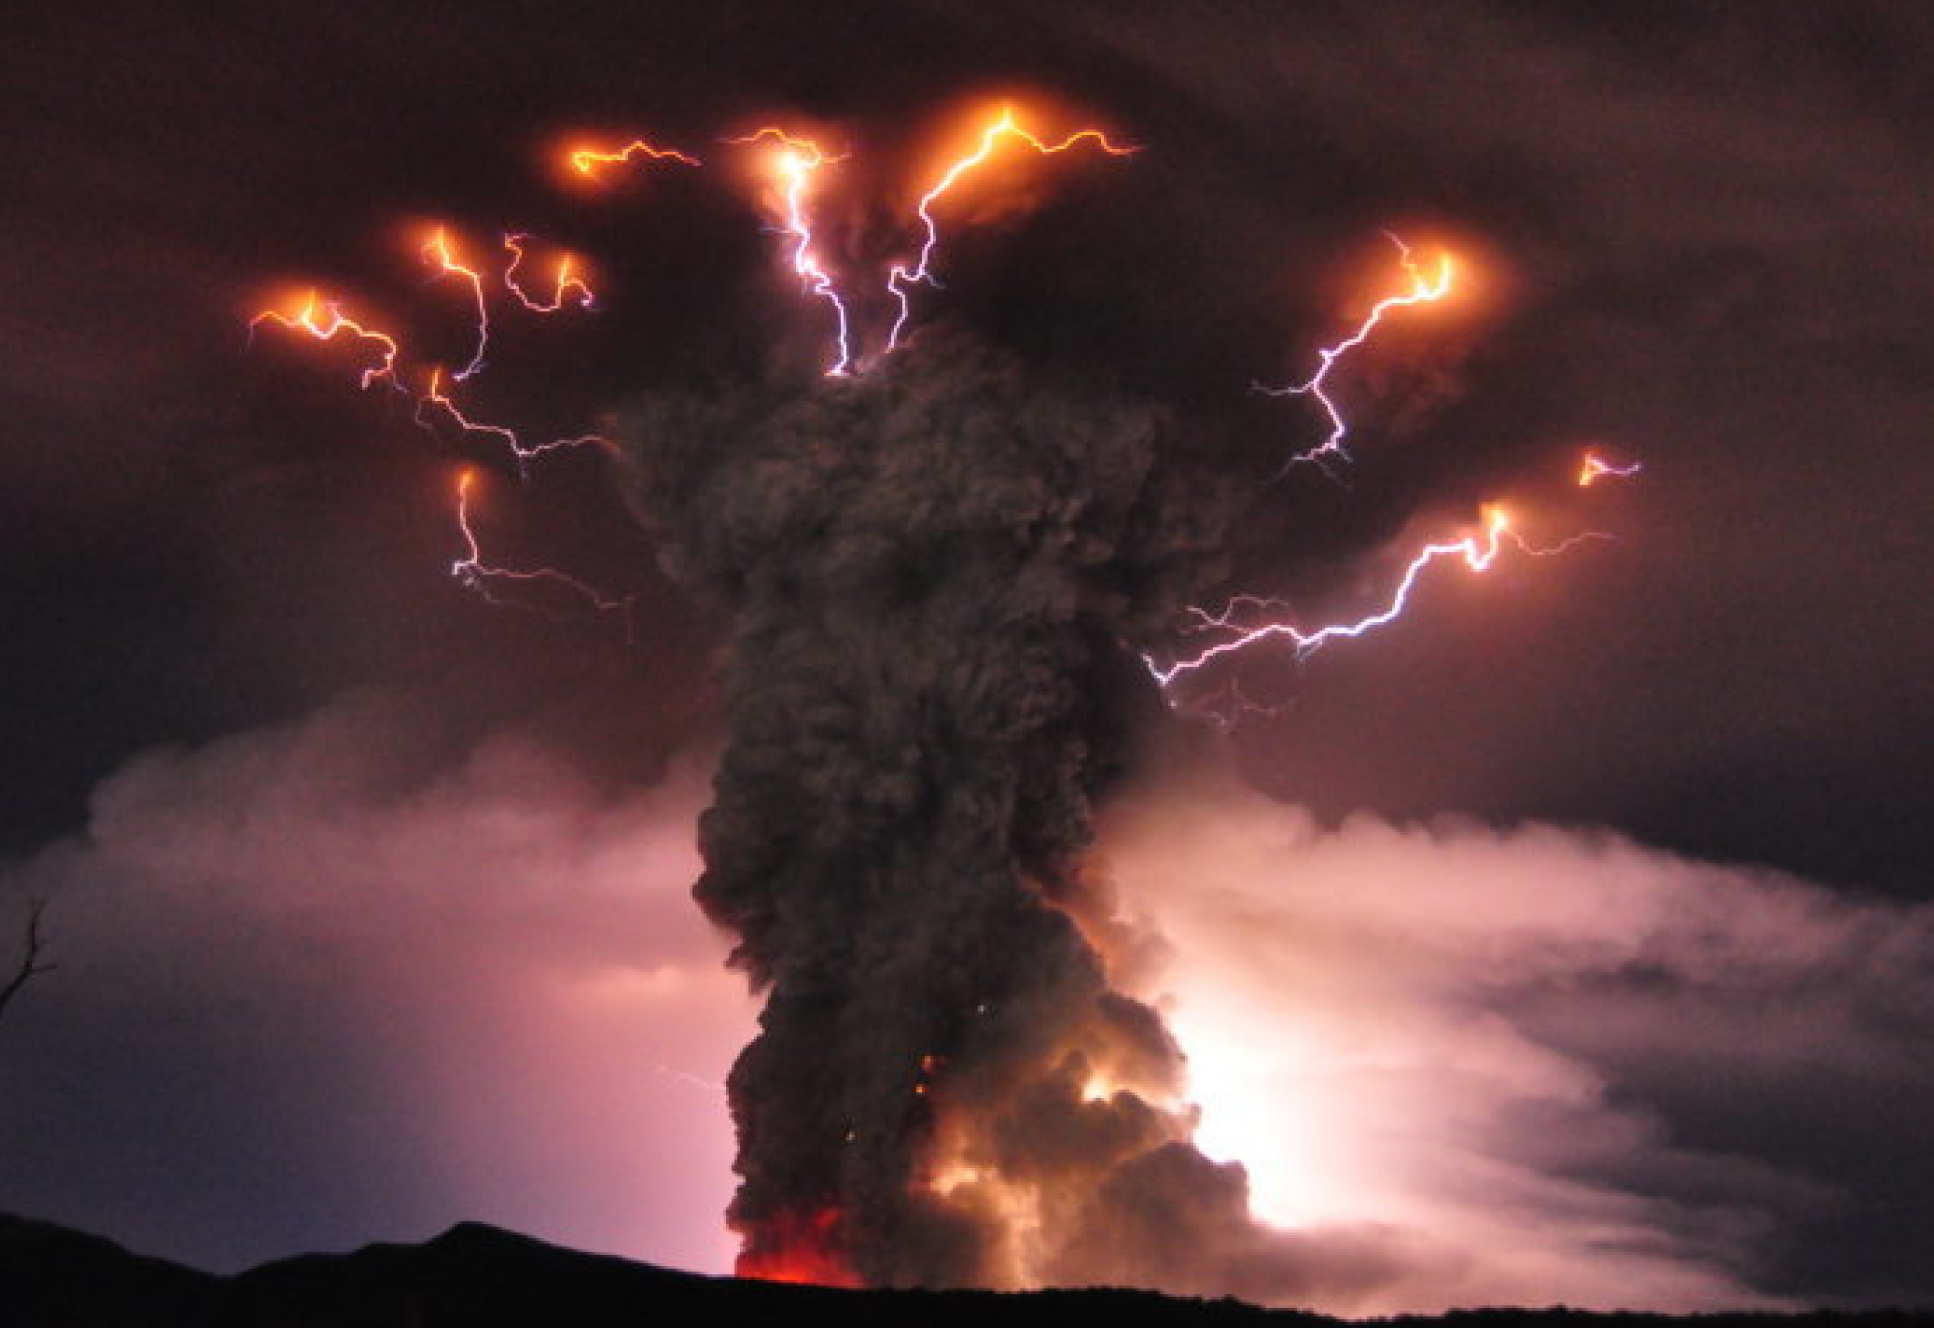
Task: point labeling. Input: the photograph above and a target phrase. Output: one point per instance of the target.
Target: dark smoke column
(932, 568)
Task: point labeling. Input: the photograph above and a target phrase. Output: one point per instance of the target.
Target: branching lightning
(1003, 126)
(1423, 289)
(795, 163)
(567, 286)
(1478, 553)
(434, 396)
(325, 322)
(481, 577)
(1594, 469)
(1245, 621)
(304, 320)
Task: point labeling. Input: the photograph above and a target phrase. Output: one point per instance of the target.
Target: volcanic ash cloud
(932, 569)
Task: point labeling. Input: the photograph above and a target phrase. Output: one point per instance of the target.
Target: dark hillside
(474, 1276)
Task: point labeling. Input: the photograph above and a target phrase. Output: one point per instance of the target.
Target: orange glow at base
(806, 1252)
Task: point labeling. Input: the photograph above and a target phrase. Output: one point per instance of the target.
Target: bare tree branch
(30, 964)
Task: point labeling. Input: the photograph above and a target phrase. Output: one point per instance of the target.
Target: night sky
(369, 896)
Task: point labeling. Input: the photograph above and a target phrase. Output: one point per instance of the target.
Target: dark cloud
(929, 570)
(1693, 237)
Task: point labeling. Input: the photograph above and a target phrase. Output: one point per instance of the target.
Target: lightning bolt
(437, 250)
(585, 161)
(1595, 469)
(795, 162)
(304, 320)
(434, 396)
(1245, 621)
(1422, 290)
(1477, 552)
(325, 321)
(481, 577)
(1003, 126)
(568, 282)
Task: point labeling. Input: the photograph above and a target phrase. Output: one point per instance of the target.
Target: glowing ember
(800, 1249)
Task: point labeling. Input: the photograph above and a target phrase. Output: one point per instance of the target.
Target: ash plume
(932, 570)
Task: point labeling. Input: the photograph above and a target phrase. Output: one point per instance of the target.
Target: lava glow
(304, 319)
(795, 163)
(1003, 126)
(808, 1252)
(1423, 289)
(568, 284)
(1595, 468)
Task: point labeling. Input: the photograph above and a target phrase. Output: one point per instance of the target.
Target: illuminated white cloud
(1450, 1032)
(317, 989)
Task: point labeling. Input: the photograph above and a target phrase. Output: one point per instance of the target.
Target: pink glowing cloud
(312, 994)
(317, 988)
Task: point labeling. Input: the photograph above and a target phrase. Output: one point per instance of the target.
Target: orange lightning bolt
(1003, 126)
(568, 284)
(1423, 290)
(585, 161)
(437, 250)
(1594, 469)
(304, 319)
(795, 163)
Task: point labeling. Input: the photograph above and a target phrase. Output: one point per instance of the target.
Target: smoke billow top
(932, 570)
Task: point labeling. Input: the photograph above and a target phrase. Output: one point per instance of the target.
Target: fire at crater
(940, 566)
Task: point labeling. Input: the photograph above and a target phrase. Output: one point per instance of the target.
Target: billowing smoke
(933, 568)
